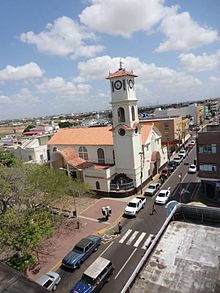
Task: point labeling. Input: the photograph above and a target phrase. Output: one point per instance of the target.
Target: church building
(117, 160)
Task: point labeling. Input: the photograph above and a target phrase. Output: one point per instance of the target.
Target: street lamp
(141, 155)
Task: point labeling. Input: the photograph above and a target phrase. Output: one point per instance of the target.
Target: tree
(8, 159)
(29, 127)
(65, 124)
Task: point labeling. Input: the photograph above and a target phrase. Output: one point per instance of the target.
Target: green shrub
(21, 263)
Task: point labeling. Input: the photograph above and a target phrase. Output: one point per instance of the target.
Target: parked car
(152, 189)
(81, 251)
(182, 153)
(165, 173)
(134, 206)
(163, 196)
(192, 169)
(49, 281)
(172, 165)
(178, 160)
(94, 277)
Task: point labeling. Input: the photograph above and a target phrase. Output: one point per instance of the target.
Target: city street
(126, 250)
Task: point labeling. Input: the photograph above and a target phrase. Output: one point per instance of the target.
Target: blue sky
(55, 55)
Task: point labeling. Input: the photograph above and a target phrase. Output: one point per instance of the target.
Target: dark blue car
(81, 251)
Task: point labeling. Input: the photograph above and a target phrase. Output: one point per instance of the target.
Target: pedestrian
(119, 228)
(153, 209)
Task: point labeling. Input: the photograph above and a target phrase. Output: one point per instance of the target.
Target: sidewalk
(91, 222)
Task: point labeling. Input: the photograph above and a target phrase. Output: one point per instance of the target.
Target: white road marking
(125, 236)
(139, 239)
(106, 248)
(132, 238)
(125, 264)
(147, 242)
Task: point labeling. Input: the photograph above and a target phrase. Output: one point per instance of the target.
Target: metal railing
(123, 186)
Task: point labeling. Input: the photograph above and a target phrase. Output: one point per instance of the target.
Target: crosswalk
(137, 239)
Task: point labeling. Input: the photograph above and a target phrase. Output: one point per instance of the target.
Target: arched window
(55, 149)
(121, 114)
(133, 113)
(113, 153)
(83, 153)
(101, 156)
(97, 185)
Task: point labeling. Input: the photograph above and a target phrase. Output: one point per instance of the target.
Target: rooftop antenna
(120, 64)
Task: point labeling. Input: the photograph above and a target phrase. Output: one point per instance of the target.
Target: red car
(165, 173)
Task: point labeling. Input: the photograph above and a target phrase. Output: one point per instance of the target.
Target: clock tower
(126, 128)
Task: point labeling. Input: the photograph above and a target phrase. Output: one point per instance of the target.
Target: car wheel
(54, 287)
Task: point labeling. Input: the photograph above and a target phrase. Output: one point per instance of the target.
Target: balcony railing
(122, 186)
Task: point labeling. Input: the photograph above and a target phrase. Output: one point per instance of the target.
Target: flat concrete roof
(186, 259)
(12, 281)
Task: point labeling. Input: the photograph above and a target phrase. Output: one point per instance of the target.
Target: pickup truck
(134, 206)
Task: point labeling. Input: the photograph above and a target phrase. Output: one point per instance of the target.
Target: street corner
(95, 211)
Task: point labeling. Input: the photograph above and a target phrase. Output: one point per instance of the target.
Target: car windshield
(176, 159)
(161, 194)
(132, 204)
(87, 279)
(79, 249)
(151, 187)
(192, 166)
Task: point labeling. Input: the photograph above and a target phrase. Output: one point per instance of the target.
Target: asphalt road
(126, 250)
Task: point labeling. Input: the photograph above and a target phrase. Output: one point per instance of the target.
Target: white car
(178, 160)
(163, 196)
(192, 169)
(152, 189)
(49, 281)
(134, 206)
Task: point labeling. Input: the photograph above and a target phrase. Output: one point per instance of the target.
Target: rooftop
(186, 258)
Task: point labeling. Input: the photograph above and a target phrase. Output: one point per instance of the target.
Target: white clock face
(118, 84)
(130, 83)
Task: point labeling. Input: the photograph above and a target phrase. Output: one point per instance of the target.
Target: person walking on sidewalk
(154, 211)
(119, 228)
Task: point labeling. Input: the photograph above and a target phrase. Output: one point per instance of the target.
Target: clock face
(118, 84)
(130, 83)
(121, 131)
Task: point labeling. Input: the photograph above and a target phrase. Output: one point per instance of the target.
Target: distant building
(208, 157)
(31, 149)
(174, 130)
(117, 159)
(196, 112)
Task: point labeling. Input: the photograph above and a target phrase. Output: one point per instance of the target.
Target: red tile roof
(121, 72)
(92, 135)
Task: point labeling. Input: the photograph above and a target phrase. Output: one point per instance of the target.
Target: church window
(97, 185)
(132, 113)
(83, 153)
(55, 149)
(121, 114)
(101, 156)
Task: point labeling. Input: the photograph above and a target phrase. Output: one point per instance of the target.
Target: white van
(95, 276)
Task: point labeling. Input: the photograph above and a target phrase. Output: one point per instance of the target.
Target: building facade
(121, 158)
(208, 150)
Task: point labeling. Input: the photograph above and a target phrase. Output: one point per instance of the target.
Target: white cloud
(63, 38)
(123, 17)
(214, 79)
(5, 100)
(27, 71)
(98, 68)
(59, 87)
(183, 33)
(200, 63)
